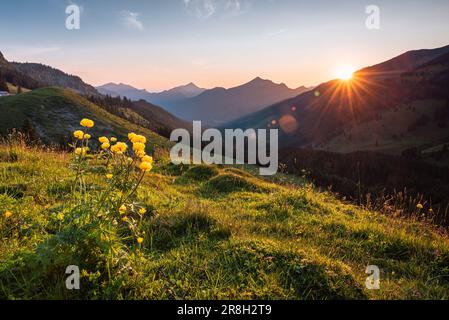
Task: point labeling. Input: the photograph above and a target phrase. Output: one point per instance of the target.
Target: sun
(345, 72)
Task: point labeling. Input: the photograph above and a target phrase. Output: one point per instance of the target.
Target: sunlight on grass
(140, 229)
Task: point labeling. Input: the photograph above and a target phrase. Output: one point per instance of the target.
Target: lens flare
(345, 73)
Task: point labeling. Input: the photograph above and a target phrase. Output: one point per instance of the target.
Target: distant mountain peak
(160, 98)
(259, 80)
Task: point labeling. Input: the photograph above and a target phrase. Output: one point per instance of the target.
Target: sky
(159, 44)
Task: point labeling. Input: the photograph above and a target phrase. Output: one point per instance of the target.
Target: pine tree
(3, 85)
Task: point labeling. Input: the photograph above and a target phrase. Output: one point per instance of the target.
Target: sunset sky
(161, 44)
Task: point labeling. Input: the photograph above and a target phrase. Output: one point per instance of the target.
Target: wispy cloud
(275, 33)
(207, 8)
(131, 20)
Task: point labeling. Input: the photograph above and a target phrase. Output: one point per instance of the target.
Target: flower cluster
(126, 168)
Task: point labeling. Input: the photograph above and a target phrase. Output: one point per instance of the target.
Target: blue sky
(161, 44)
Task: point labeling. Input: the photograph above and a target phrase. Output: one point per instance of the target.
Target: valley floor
(210, 233)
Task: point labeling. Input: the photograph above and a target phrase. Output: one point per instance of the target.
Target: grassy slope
(390, 132)
(211, 236)
(55, 112)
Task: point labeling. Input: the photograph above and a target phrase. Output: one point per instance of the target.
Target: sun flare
(345, 72)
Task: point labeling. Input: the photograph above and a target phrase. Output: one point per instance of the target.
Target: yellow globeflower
(124, 219)
(87, 136)
(109, 176)
(138, 146)
(146, 166)
(7, 214)
(60, 216)
(141, 153)
(419, 206)
(78, 134)
(139, 138)
(87, 123)
(139, 240)
(105, 145)
(142, 211)
(131, 136)
(122, 209)
(81, 151)
(103, 140)
(113, 139)
(147, 159)
(119, 147)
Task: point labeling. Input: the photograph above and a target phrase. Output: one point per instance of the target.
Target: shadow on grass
(170, 231)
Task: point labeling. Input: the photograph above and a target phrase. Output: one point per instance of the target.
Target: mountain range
(213, 106)
(219, 105)
(391, 107)
(163, 98)
(35, 75)
(57, 98)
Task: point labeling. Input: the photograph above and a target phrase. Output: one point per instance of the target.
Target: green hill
(209, 233)
(54, 113)
(36, 75)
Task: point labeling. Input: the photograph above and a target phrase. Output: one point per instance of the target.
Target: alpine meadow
(241, 151)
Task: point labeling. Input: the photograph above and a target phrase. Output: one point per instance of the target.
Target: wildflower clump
(114, 205)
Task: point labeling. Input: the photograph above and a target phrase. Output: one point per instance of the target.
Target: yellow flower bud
(122, 209)
(146, 166)
(78, 134)
(139, 138)
(103, 140)
(87, 123)
(81, 151)
(147, 159)
(131, 136)
(138, 146)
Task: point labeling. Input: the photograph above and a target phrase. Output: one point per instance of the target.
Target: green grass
(210, 233)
